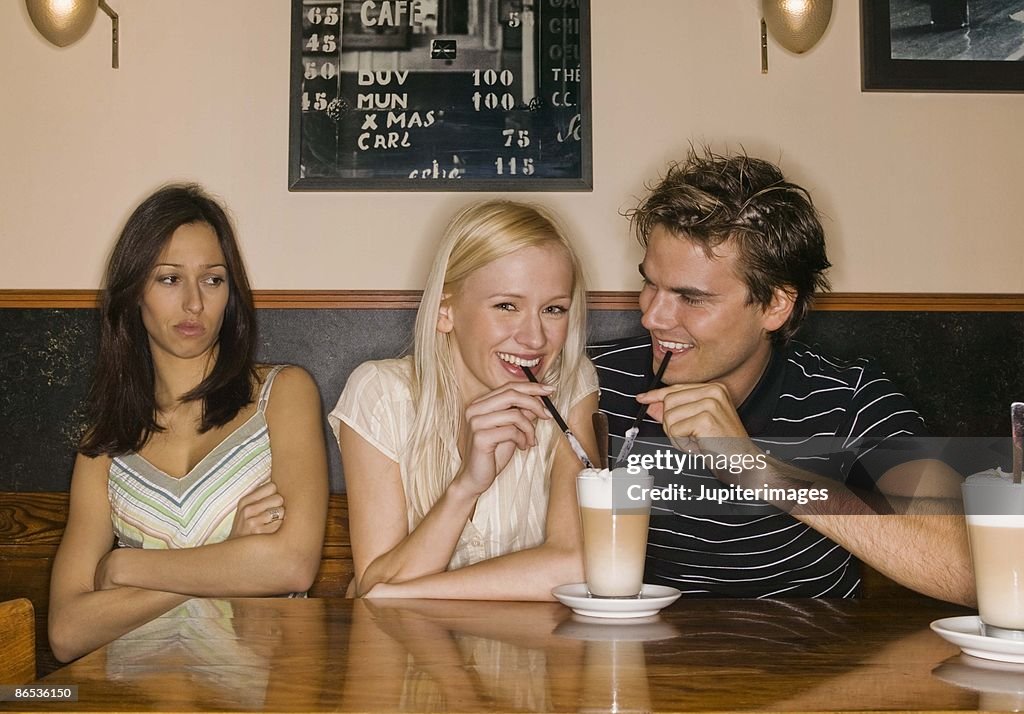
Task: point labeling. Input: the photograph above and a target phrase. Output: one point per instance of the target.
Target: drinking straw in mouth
(577, 447)
(1017, 426)
(633, 431)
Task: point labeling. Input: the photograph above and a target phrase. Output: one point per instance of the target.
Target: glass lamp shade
(797, 25)
(62, 21)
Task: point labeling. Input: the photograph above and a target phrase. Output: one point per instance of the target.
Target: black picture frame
(880, 72)
(454, 125)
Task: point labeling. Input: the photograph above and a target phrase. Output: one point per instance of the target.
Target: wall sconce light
(65, 21)
(797, 25)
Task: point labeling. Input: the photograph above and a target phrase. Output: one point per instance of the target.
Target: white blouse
(510, 515)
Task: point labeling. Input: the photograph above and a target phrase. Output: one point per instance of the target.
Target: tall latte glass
(994, 507)
(615, 509)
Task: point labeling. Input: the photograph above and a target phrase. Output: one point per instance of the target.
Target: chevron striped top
(819, 413)
(150, 509)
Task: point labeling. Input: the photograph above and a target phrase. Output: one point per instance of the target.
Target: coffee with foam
(994, 507)
(615, 518)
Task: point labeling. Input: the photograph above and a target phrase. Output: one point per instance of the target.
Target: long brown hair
(122, 400)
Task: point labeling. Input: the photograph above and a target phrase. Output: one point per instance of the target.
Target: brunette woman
(175, 468)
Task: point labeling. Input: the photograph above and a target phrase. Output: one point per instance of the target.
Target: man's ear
(445, 323)
(779, 309)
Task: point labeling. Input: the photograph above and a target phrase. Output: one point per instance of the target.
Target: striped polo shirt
(839, 419)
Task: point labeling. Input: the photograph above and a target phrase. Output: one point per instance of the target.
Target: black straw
(574, 443)
(1017, 431)
(547, 402)
(629, 438)
(654, 383)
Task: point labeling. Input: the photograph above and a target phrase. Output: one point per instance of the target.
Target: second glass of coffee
(994, 506)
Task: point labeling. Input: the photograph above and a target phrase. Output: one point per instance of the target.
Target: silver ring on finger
(275, 514)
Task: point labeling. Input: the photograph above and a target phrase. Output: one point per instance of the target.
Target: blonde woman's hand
(259, 512)
(497, 424)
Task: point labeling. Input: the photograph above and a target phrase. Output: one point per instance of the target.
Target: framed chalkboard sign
(440, 95)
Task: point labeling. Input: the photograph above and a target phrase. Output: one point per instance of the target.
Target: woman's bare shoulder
(292, 384)
(90, 465)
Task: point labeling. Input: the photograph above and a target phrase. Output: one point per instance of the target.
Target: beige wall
(921, 191)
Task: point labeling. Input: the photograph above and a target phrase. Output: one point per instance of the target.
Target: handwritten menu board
(440, 95)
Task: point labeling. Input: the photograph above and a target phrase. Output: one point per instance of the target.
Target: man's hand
(698, 414)
(702, 418)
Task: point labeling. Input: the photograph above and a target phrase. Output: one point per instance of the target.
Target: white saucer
(966, 633)
(652, 599)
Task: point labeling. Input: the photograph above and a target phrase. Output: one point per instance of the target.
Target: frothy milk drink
(994, 507)
(615, 510)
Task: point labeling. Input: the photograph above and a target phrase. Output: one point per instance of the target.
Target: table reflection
(197, 650)
(214, 654)
(615, 663)
(999, 685)
(450, 655)
(433, 655)
(535, 657)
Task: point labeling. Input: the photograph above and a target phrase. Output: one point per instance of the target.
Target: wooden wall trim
(921, 302)
(48, 298)
(600, 300)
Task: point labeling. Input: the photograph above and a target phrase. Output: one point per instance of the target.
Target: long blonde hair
(477, 236)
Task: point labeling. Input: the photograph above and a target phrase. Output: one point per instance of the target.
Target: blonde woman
(459, 483)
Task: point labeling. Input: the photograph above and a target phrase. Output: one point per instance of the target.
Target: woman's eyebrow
(517, 296)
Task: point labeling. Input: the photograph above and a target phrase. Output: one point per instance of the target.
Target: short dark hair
(122, 402)
(710, 199)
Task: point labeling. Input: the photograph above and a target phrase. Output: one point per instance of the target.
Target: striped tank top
(150, 509)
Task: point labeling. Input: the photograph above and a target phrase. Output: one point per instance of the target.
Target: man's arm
(921, 544)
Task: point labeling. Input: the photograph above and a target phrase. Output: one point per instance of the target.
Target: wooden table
(707, 655)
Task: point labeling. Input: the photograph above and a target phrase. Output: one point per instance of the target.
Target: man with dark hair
(772, 461)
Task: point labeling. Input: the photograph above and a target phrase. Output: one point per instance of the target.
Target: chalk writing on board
(440, 95)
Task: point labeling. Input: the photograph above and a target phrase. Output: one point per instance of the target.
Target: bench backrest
(954, 356)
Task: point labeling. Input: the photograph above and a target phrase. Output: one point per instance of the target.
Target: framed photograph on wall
(440, 95)
(942, 45)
